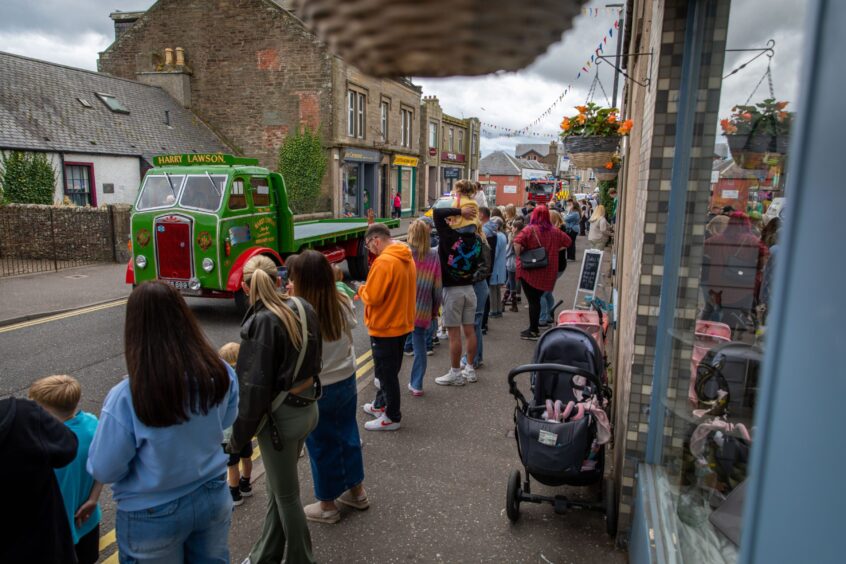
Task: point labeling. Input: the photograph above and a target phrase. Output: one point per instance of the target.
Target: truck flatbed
(331, 230)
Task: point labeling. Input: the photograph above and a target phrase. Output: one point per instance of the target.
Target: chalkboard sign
(589, 275)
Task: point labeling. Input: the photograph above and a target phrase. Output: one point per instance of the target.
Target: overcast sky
(72, 32)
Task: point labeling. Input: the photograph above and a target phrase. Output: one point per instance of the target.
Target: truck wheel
(359, 266)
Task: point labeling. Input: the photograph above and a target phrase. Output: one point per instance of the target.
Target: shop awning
(438, 37)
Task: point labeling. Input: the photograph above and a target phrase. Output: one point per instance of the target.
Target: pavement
(437, 486)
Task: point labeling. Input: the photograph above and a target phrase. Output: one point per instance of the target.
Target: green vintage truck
(200, 217)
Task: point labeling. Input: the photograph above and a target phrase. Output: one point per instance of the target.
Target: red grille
(173, 246)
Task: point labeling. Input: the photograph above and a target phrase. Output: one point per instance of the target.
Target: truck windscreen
(203, 192)
(159, 191)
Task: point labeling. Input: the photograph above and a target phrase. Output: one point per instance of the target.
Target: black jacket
(266, 365)
(32, 444)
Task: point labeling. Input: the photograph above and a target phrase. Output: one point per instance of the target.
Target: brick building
(506, 178)
(254, 73)
(549, 154)
(449, 149)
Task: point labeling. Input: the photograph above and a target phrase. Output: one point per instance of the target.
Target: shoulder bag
(534, 258)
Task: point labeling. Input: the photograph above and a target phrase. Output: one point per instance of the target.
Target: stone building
(506, 178)
(549, 154)
(449, 149)
(254, 73)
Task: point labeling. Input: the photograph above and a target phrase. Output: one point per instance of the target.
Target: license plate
(182, 286)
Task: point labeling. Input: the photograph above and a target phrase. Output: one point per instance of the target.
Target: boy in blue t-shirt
(59, 396)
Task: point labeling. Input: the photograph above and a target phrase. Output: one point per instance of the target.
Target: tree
(27, 178)
(302, 163)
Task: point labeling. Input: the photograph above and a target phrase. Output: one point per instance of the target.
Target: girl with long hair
(278, 371)
(428, 298)
(178, 392)
(536, 281)
(334, 447)
(600, 230)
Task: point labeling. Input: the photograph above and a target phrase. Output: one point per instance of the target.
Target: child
(512, 285)
(239, 482)
(339, 283)
(464, 191)
(59, 396)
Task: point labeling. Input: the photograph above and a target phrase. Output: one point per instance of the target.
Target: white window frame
(406, 116)
(451, 136)
(351, 114)
(460, 141)
(433, 134)
(383, 119)
(356, 107)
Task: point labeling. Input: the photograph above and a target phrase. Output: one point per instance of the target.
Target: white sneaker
(381, 424)
(443, 335)
(370, 410)
(470, 374)
(452, 378)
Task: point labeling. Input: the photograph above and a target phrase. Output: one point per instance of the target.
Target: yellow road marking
(107, 540)
(113, 559)
(74, 313)
(366, 355)
(256, 453)
(363, 369)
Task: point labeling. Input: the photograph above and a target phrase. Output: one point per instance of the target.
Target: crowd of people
(174, 439)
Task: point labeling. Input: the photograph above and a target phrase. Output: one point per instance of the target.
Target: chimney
(124, 21)
(168, 57)
(180, 57)
(174, 77)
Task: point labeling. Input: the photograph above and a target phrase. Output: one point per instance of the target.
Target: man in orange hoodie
(389, 300)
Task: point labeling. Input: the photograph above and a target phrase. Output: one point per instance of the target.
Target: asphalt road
(437, 486)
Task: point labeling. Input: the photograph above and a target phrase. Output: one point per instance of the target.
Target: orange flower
(581, 119)
(746, 115)
(782, 116)
(609, 165)
(781, 105)
(625, 127)
(612, 118)
(582, 109)
(565, 125)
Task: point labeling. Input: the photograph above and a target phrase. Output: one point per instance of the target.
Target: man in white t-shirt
(480, 197)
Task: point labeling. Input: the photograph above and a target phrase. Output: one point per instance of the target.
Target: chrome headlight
(208, 264)
(141, 261)
(194, 284)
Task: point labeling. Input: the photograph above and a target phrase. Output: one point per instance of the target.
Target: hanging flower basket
(592, 137)
(758, 135)
(609, 170)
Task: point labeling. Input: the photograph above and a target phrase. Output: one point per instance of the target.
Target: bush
(26, 178)
(605, 198)
(302, 163)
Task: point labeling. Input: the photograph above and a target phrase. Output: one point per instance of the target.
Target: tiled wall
(659, 26)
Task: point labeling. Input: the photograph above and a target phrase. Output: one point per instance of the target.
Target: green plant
(605, 197)
(302, 163)
(595, 120)
(765, 118)
(26, 178)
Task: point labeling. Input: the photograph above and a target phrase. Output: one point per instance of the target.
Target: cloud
(81, 53)
(64, 19)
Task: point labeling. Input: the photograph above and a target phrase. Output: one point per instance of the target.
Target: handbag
(534, 258)
(280, 398)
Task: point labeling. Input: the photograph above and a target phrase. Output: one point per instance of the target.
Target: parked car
(442, 202)
(776, 209)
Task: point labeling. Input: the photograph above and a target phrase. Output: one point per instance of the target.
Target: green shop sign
(192, 159)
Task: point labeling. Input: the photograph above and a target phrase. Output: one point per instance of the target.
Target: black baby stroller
(562, 430)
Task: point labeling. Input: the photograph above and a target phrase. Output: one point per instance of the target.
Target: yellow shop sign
(402, 160)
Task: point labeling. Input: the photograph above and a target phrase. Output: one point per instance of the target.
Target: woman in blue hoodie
(158, 442)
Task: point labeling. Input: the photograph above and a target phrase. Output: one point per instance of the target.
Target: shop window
(703, 435)
(261, 191)
(237, 199)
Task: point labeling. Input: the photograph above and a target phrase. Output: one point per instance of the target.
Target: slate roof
(540, 148)
(503, 164)
(39, 110)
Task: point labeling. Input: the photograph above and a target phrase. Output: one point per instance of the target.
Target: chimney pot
(180, 57)
(168, 57)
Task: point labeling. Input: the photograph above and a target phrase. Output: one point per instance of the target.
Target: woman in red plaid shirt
(536, 281)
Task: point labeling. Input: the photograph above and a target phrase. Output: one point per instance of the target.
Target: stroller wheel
(512, 499)
(610, 502)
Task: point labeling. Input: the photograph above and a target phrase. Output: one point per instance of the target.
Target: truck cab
(199, 218)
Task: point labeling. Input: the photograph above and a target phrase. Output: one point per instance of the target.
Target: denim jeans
(192, 528)
(418, 369)
(430, 335)
(387, 362)
(481, 290)
(547, 302)
(334, 447)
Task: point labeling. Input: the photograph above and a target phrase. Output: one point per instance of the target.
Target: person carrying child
(464, 192)
(59, 396)
(239, 480)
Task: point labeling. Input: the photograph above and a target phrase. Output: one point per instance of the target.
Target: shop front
(359, 181)
(729, 378)
(451, 175)
(404, 181)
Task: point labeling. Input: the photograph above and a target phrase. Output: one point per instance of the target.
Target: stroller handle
(550, 367)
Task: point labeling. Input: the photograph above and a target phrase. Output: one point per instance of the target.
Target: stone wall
(64, 233)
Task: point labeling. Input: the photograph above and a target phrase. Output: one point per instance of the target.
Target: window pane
(237, 200)
(203, 192)
(361, 103)
(261, 191)
(157, 191)
(351, 117)
(433, 134)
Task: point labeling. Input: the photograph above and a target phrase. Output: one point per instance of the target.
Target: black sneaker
(236, 497)
(245, 488)
(435, 340)
(528, 335)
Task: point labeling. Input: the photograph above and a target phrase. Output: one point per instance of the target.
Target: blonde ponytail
(261, 275)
